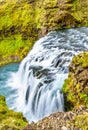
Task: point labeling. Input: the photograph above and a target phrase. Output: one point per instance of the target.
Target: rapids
(37, 85)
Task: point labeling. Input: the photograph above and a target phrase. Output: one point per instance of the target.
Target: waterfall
(38, 83)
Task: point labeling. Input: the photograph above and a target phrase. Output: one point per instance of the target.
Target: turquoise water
(5, 72)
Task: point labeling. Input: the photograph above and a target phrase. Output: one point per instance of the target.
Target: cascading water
(38, 82)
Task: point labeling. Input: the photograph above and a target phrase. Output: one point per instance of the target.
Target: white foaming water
(39, 80)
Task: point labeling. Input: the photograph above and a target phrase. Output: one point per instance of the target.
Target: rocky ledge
(72, 120)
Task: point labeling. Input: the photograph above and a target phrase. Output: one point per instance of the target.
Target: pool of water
(5, 73)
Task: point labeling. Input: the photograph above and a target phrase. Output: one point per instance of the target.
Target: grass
(17, 30)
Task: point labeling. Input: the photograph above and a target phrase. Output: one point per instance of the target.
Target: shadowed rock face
(27, 20)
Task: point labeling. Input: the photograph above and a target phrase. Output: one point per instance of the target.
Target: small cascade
(38, 83)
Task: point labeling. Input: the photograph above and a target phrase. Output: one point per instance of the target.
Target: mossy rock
(23, 22)
(72, 120)
(18, 30)
(10, 120)
(76, 85)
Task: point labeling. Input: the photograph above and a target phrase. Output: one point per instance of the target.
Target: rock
(64, 128)
(25, 21)
(72, 120)
(76, 86)
(86, 89)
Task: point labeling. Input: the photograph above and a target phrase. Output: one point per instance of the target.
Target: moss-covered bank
(10, 120)
(23, 22)
(76, 86)
(17, 29)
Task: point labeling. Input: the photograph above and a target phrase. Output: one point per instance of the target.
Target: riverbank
(23, 22)
(10, 120)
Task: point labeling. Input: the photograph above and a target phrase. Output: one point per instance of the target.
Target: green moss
(23, 22)
(14, 48)
(74, 86)
(12, 44)
(80, 11)
(81, 121)
(17, 30)
(75, 96)
(81, 59)
(10, 119)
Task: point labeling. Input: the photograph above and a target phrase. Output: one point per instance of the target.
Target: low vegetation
(76, 85)
(10, 120)
(23, 22)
